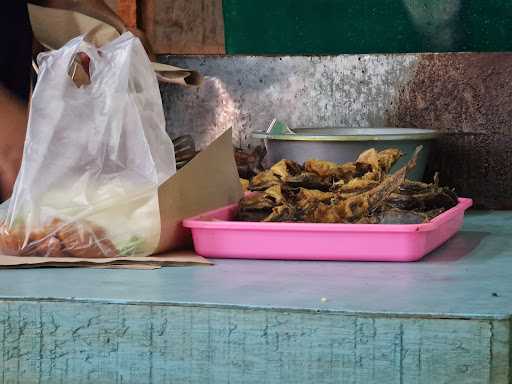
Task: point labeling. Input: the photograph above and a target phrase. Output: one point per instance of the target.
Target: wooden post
(126, 9)
(183, 26)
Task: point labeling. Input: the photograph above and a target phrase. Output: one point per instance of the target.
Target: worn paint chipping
(98, 343)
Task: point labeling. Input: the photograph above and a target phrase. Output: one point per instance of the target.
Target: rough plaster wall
(466, 96)
(246, 93)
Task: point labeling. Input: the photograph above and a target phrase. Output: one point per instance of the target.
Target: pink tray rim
(201, 222)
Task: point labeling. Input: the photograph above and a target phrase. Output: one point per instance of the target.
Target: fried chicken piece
(286, 168)
(245, 184)
(387, 158)
(308, 198)
(248, 215)
(257, 201)
(86, 240)
(309, 181)
(328, 169)
(355, 207)
(324, 213)
(370, 158)
(11, 240)
(263, 181)
(48, 246)
(275, 193)
(281, 213)
(399, 216)
(321, 168)
(355, 187)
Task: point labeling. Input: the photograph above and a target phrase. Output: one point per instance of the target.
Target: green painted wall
(366, 26)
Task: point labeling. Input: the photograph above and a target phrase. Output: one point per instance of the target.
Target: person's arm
(13, 124)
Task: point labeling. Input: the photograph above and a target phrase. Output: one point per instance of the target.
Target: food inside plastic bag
(94, 157)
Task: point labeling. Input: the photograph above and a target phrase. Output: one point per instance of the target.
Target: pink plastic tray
(216, 236)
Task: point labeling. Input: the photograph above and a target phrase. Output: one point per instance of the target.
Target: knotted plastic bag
(95, 154)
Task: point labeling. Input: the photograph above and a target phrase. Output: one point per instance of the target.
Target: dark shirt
(15, 48)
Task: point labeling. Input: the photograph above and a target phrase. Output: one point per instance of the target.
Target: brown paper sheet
(177, 258)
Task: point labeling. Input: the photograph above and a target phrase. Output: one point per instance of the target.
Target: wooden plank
(183, 26)
(72, 342)
(126, 9)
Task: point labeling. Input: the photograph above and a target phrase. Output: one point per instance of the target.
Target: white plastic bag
(93, 160)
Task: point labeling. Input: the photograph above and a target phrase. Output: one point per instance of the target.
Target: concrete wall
(465, 95)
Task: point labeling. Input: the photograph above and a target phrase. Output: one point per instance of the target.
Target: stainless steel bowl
(342, 145)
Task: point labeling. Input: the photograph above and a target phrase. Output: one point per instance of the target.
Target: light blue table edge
(382, 314)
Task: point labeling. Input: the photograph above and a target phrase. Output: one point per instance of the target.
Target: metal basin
(342, 145)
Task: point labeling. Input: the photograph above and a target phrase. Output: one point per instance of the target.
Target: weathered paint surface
(366, 26)
(465, 96)
(468, 97)
(62, 342)
(445, 319)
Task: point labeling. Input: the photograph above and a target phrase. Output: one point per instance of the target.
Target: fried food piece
(250, 215)
(263, 181)
(286, 168)
(307, 198)
(369, 160)
(336, 172)
(358, 206)
(283, 213)
(388, 158)
(85, 240)
(48, 246)
(370, 156)
(11, 240)
(355, 187)
(435, 198)
(309, 181)
(368, 220)
(275, 193)
(434, 213)
(400, 201)
(257, 201)
(440, 198)
(358, 192)
(324, 213)
(355, 207)
(245, 184)
(409, 187)
(322, 168)
(400, 216)
(249, 162)
(45, 242)
(258, 206)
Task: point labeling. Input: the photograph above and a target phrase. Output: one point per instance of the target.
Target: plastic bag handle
(79, 68)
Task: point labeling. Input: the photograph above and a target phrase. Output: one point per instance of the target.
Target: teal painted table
(445, 319)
